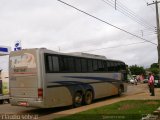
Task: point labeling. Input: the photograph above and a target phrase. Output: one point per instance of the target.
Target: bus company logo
(26, 60)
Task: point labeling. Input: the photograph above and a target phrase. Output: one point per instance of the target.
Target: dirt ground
(135, 92)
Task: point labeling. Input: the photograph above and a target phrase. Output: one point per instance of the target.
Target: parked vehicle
(133, 81)
(3, 97)
(156, 81)
(145, 80)
(4, 75)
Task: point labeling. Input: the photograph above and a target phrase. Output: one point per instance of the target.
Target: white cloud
(51, 24)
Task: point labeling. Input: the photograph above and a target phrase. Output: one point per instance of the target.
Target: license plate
(23, 104)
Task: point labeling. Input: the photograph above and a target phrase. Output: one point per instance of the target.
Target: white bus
(43, 78)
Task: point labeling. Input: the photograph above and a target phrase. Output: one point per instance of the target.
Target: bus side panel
(104, 89)
(58, 96)
(60, 87)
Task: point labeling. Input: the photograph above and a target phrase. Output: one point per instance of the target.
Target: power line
(150, 7)
(124, 10)
(106, 22)
(141, 19)
(115, 46)
(127, 12)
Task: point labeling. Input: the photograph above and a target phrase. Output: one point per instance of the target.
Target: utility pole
(115, 4)
(158, 29)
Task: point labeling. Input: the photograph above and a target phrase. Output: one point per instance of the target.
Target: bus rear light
(40, 93)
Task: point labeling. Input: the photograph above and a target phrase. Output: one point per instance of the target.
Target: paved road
(134, 92)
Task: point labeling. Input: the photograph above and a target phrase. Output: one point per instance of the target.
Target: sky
(56, 26)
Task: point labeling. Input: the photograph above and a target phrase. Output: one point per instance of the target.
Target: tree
(154, 68)
(154, 65)
(155, 71)
(137, 70)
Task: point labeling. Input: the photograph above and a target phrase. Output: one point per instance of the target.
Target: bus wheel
(88, 97)
(77, 100)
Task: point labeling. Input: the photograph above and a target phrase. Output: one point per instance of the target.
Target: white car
(133, 81)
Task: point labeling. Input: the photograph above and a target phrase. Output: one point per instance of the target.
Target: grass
(124, 110)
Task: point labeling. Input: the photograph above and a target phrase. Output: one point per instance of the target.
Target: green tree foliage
(137, 70)
(154, 65)
(155, 71)
(154, 68)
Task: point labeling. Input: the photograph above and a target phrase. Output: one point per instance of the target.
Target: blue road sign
(4, 50)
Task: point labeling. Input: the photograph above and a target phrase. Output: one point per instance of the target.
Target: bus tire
(77, 99)
(88, 97)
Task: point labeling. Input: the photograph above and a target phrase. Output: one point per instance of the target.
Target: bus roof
(75, 54)
(88, 55)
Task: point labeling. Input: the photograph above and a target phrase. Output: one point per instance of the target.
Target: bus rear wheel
(88, 97)
(77, 100)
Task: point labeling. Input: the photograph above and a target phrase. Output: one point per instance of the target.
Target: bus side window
(90, 65)
(55, 63)
(63, 63)
(121, 66)
(112, 66)
(84, 65)
(109, 66)
(100, 66)
(78, 64)
(95, 65)
(116, 67)
(105, 66)
(71, 67)
(49, 64)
